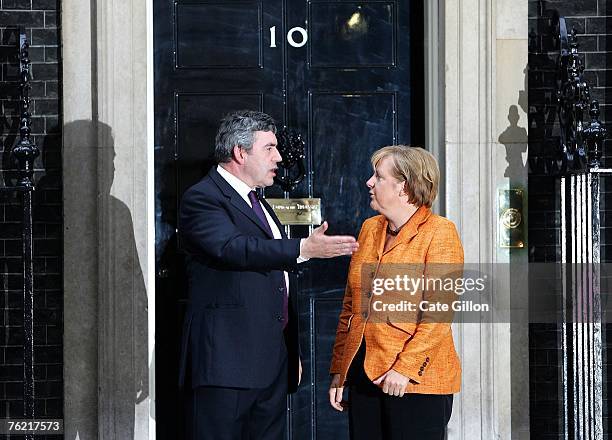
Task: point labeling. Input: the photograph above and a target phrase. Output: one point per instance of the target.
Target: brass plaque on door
(297, 211)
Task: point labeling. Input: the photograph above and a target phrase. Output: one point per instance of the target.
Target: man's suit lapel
(235, 199)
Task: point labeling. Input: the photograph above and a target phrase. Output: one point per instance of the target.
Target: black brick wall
(41, 19)
(592, 19)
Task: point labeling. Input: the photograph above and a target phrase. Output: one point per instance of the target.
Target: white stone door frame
(484, 83)
(151, 272)
(109, 315)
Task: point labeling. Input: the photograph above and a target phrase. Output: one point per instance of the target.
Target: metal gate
(580, 193)
(24, 153)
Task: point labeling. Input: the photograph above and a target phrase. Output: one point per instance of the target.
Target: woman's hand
(393, 383)
(335, 393)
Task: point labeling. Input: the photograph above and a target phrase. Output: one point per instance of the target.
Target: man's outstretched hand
(319, 245)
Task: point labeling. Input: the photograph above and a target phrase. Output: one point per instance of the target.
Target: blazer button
(420, 373)
(424, 364)
(427, 359)
(369, 294)
(421, 369)
(364, 314)
(279, 318)
(281, 289)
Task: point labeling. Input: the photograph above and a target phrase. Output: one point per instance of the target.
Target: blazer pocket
(406, 327)
(348, 324)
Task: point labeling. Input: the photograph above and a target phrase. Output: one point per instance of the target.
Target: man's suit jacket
(233, 330)
(423, 350)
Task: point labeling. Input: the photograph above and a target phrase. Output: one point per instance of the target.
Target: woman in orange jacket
(401, 368)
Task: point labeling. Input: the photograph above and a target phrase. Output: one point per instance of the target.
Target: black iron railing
(581, 143)
(579, 168)
(24, 153)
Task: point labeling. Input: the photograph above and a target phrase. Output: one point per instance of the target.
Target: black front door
(348, 76)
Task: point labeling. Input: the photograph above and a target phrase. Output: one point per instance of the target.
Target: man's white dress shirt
(243, 189)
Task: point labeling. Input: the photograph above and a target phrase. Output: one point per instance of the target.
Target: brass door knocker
(291, 148)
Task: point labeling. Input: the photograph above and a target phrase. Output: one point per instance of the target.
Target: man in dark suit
(239, 347)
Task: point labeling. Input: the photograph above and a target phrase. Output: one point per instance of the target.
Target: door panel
(352, 35)
(237, 42)
(340, 157)
(354, 86)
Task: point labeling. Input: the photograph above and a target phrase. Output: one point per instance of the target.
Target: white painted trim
(150, 275)
(483, 63)
(80, 258)
(434, 92)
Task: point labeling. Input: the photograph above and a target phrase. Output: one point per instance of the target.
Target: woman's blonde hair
(417, 168)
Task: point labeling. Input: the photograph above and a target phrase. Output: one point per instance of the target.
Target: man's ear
(238, 154)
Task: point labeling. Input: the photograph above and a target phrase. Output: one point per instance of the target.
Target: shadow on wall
(125, 370)
(514, 138)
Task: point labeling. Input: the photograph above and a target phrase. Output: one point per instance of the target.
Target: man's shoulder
(206, 185)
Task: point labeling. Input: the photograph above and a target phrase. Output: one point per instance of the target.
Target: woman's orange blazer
(422, 351)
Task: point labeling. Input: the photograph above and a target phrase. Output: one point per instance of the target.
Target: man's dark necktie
(264, 221)
(259, 212)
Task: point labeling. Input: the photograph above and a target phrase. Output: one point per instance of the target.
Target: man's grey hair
(238, 128)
